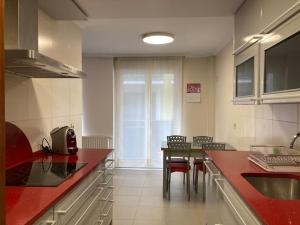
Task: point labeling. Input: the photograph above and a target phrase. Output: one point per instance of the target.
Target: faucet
(294, 139)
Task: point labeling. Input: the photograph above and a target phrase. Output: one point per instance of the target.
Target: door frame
(2, 117)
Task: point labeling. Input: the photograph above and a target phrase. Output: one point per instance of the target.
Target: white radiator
(96, 142)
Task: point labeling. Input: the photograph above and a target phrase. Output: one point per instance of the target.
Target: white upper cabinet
(279, 63)
(259, 16)
(267, 52)
(272, 9)
(246, 22)
(60, 40)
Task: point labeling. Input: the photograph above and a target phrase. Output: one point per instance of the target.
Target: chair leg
(188, 185)
(204, 185)
(183, 178)
(194, 167)
(169, 185)
(196, 180)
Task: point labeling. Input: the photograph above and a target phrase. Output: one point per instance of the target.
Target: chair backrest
(213, 146)
(202, 139)
(176, 139)
(183, 146)
(180, 145)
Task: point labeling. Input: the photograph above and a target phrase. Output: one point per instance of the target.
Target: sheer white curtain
(148, 108)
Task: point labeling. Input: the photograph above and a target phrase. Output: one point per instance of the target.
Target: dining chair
(183, 167)
(198, 141)
(177, 139)
(200, 166)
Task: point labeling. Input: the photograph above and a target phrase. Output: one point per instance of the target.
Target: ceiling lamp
(158, 38)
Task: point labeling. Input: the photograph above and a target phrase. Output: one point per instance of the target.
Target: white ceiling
(114, 27)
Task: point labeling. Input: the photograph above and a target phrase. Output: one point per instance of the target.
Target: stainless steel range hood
(21, 44)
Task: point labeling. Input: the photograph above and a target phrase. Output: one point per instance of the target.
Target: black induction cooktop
(41, 174)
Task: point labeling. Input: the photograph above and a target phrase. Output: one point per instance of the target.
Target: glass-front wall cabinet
(246, 76)
(280, 64)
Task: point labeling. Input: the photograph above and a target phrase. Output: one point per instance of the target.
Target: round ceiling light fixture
(158, 38)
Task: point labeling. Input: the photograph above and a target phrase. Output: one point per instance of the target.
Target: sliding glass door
(146, 110)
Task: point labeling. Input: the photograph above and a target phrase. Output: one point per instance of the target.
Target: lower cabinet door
(232, 209)
(212, 215)
(223, 204)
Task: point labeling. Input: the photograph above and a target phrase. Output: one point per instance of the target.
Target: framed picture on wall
(193, 92)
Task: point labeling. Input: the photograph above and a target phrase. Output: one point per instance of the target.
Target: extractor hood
(21, 44)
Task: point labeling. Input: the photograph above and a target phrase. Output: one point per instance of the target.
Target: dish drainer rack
(276, 163)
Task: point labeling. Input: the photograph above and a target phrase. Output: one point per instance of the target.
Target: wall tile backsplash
(39, 105)
(278, 125)
(285, 112)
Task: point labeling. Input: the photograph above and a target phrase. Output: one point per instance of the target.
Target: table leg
(164, 175)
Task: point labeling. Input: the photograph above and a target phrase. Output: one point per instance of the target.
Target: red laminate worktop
(24, 205)
(269, 211)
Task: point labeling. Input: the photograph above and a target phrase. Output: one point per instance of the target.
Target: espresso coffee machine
(64, 140)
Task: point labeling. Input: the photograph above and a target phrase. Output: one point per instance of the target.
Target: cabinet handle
(100, 222)
(89, 206)
(229, 201)
(108, 211)
(107, 197)
(50, 222)
(80, 196)
(108, 180)
(210, 170)
(111, 161)
(106, 167)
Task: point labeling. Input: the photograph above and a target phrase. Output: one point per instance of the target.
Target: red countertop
(24, 205)
(269, 211)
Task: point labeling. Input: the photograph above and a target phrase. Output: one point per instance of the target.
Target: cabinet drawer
(46, 219)
(107, 213)
(107, 180)
(68, 207)
(88, 212)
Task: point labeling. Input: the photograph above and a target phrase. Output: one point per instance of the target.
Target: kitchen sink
(277, 186)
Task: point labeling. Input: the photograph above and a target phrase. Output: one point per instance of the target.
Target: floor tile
(124, 212)
(149, 222)
(151, 213)
(126, 200)
(138, 200)
(128, 191)
(123, 222)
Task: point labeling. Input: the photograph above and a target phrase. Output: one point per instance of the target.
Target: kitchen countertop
(24, 205)
(269, 211)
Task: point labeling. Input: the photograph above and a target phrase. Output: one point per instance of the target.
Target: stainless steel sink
(275, 186)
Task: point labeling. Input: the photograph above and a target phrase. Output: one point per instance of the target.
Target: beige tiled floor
(138, 200)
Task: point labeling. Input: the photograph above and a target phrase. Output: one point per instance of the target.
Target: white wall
(198, 118)
(98, 96)
(243, 125)
(39, 105)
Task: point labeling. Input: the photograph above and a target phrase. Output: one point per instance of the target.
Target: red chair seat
(200, 167)
(178, 167)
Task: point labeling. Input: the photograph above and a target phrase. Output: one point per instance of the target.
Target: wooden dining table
(196, 151)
